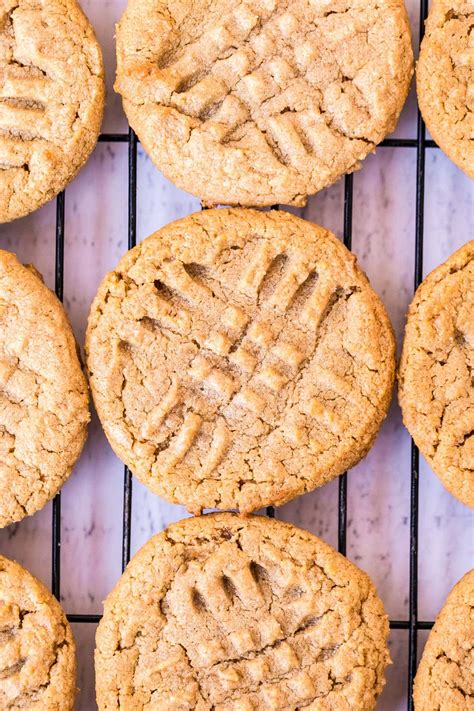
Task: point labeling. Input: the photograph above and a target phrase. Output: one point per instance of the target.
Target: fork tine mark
(294, 276)
(221, 441)
(159, 413)
(180, 444)
(288, 140)
(17, 120)
(176, 277)
(15, 152)
(201, 97)
(261, 261)
(29, 89)
(313, 310)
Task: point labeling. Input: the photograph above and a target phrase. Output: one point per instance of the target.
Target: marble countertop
(378, 488)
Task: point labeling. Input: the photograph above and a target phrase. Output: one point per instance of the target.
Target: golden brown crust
(239, 358)
(51, 100)
(44, 403)
(445, 677)
(241, 614)
(445, 79)
(38, 654)
(436, 391)
(255, 102)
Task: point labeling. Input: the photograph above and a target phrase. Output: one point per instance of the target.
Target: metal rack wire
(420, 144)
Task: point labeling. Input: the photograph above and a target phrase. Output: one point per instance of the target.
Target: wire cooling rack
(420, 144)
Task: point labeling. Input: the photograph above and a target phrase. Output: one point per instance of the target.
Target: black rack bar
(406, 143)
(415, 456)
(85, 619)
(132, 240)
(271, 509)
(342, 502)
(59, 289)
(405, 624)
(394, 624)
(113, 138)
(387, 143)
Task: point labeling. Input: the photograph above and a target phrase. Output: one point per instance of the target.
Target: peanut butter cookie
(44, 404)
(255, 102)
(230, 614)
(38, 654)
(239, 358)
(445, 79)
(436, 389)
(51, 100)
(445, 677)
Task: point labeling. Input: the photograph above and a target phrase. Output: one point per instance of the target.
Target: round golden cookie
(445, 676)
(38, 654)
(44, 403)
(445, 79)
(258, 102)
(225, 613)
(436, 390)
(51, 100)
(239, 358)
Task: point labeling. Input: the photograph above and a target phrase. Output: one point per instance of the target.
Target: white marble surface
(379, 488)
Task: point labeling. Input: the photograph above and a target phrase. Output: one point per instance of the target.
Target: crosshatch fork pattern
(254, 75)
(50, 107)
(260, 384)
(412, 624)
(227, 94)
